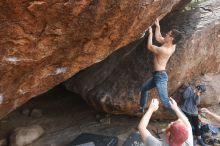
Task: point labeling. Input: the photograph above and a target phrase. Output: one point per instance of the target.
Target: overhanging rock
(113, 85)
(43, 43)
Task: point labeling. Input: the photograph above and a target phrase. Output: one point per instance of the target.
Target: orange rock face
(113, 85)
(43, 43)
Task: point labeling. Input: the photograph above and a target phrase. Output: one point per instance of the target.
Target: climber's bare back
(162, 57)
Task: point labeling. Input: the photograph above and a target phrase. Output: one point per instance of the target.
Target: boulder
(43, 43)
(113, 84)
(25, 135)
(36, 113)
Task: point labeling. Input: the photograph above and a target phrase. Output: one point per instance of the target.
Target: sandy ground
(65, 116)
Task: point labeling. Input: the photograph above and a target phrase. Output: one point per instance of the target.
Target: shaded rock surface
(43, 43)
(3, 142)
(36, 113)
(113, 84)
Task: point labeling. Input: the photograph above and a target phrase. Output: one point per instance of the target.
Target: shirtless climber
(161, 57)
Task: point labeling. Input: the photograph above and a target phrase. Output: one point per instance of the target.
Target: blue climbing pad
(87, 139)
(133, 139)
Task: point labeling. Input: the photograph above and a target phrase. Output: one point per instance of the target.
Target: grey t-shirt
(153, 141)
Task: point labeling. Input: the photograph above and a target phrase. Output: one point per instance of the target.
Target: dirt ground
(65, 116)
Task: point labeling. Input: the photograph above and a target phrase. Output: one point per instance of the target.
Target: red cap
(178, 134)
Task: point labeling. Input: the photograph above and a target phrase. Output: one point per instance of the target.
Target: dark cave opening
(64, 115)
